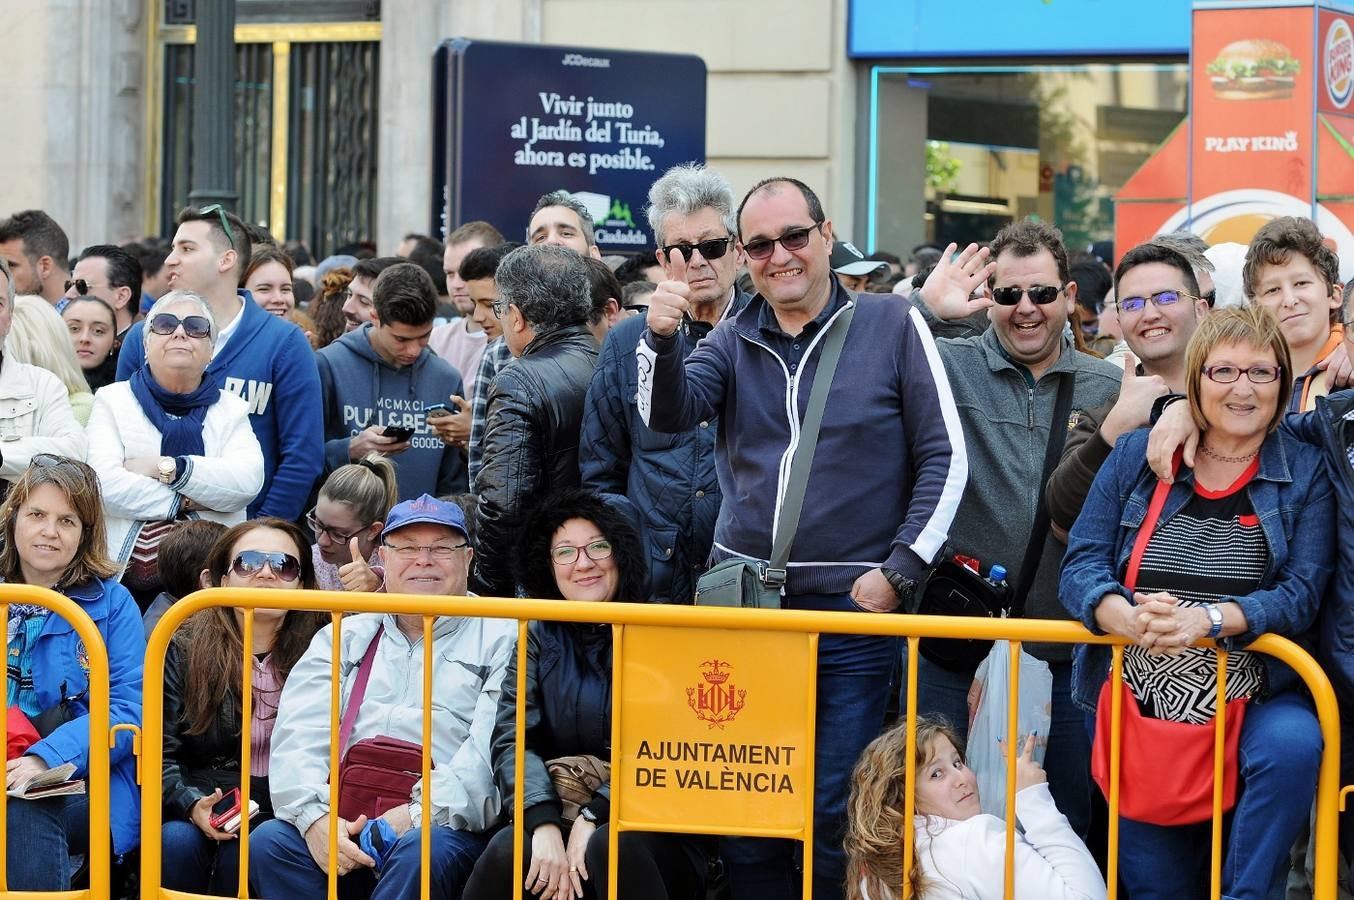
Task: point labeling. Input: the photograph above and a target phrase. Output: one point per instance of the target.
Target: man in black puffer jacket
(535, 402)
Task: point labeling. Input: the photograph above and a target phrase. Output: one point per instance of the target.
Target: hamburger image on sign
(1253, 69)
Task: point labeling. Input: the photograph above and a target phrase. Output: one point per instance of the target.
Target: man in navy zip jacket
(262, 358)
(887, 476)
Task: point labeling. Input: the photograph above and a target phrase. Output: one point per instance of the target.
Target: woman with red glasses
(168, 444)
(203, 720)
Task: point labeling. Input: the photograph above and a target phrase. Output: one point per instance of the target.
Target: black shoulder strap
(1057, 436)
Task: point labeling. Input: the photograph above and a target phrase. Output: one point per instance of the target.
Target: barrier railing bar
(913, 628)
(335, 751)
(519, 762)
(97, 784)
(910, 769)
(246, 742)
(1116, 760)
(613, 835)
(810, 753)
(426, 758)
(1012, 740)
(1219, 738)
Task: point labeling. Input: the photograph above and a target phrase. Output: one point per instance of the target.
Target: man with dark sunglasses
(260, 357)
(670, 478)
(886, 473)
(1006, 383)
(110, 274)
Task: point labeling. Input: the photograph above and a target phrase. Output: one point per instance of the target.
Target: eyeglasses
(792, 240)
(710, 249)
(82, 287)
(50, 460)
(1210, 298)
(500, 307)
(338, 537)
(1042, 294)
(1159, 299)
(1262, 374)
(436, 551)
(567, 554)
(249, 563)
(225, 223)
(193, 326)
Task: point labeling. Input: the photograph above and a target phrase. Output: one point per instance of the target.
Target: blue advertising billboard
(521, 120)
(968, 28)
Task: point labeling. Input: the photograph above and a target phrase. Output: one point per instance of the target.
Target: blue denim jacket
(1291, 495)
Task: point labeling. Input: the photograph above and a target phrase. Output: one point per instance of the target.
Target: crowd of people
(480, 416)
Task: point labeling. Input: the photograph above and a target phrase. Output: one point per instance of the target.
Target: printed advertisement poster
(1335, 43)
(527, 119)
(1252, 101)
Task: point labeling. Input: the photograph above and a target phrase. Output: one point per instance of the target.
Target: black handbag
(953, 589)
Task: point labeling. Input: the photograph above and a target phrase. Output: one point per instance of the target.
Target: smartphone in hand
(399, 434)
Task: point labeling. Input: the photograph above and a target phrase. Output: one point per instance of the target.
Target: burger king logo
(1339, 63)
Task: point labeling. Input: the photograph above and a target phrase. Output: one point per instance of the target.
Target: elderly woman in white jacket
(167, 444)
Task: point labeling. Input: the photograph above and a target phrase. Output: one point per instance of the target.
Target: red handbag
(1165, 768)
(377, 773)
(21, 733)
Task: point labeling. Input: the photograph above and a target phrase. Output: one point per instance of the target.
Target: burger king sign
(1338, 62)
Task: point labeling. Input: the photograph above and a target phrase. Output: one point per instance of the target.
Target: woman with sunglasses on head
(347, 519)
(1237, 546)
(53, 531)
(203, 705)
(168, 444)
(575, 546)
(38, 337)
(92, 326)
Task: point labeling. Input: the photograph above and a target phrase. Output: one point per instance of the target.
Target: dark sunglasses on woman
(193, 326)
(251, 562)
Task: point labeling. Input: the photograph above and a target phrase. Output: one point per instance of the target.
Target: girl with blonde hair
(39, 337)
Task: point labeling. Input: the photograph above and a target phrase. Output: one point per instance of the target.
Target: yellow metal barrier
(730, 622)
(100, 740)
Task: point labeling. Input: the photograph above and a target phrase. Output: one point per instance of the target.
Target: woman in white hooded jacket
(167, 444)
(960, 851)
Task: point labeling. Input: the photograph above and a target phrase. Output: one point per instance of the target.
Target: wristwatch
(587, 815)
(903, 586)
(168, 468)
(1214, 619)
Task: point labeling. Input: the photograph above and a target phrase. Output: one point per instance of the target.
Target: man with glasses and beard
(1006, 382)
(669, 477)
(885, 479)
(258, 356)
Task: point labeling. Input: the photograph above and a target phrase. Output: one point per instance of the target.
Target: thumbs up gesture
(1133, 409)
(671, 299)
(357, 576)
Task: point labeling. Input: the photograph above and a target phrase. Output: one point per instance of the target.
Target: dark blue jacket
(1327, 427)
(59, 657)
(1290, 494)
(890, 466)
(670, 478)
(269, 363)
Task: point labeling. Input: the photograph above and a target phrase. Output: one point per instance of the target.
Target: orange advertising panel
(715, 729)
(1251, 97)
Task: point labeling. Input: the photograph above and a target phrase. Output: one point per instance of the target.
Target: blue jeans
(853, 684)
(41, 836)
(281, 867)
(192, 862)
(1278, 756)
(1068, 758)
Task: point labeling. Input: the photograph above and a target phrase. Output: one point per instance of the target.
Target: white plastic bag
(992, 717)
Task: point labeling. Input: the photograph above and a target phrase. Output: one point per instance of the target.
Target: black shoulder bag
(953, 589)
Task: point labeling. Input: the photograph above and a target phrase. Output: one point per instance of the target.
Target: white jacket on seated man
(35, 417)
(425, 550)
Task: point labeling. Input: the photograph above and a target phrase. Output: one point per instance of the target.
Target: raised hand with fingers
(1133, 409)
(453, 428)
(948, 291)
(1175, 432)
(670, 301)
(357, 576)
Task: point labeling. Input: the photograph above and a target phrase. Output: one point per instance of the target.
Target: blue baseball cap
(424, 510)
